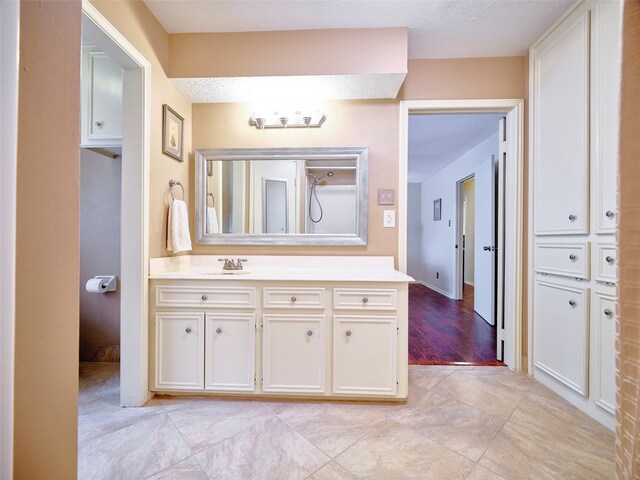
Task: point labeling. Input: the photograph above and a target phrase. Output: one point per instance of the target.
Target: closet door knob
(293, 299)
(365, 300)
(309, 333)
(572, 217)
(348, 333)
(572, 257)
(204, 298)
(607, 312)
(99, 124)
(188, 330)
(218, 330)
(609, 259)
(572, 303)
(609, 214)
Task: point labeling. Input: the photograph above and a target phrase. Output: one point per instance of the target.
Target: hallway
(443, 331)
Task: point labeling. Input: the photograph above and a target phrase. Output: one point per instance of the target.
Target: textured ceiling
(261, 89)
(437, 28)
(437, 140)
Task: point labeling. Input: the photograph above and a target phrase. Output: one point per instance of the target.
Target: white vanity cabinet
(101, 101)
(270, 337)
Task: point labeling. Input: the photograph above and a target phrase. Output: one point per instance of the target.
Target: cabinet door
(561, 130)
(293, 353)
(560, 333)
(364, 354)
(605, 351)
(230, 351)
(103, 78)
(179, 351)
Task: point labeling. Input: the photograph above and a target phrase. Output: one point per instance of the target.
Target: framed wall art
(172, 133)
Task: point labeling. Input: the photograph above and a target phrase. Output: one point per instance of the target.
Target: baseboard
(469, 283)
(436, 289)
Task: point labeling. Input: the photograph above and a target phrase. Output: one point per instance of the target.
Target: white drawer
(606, 263)
(566, 259)
(205, 297)
(365, 299)
(292, 297)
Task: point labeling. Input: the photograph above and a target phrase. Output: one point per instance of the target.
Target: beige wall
(628, 331)
(100, 177)
(304, 52)
(46, 341)
(134, 20)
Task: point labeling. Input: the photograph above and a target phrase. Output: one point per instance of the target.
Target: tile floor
(474, 423)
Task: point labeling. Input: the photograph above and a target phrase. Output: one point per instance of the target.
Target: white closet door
(485, 241)
(561, 131)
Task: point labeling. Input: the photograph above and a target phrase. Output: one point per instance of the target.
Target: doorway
(435, 271)
(134, 215)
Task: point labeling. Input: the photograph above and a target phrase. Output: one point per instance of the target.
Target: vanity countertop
(279, 268)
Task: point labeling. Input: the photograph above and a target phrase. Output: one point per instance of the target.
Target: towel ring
(173, 183)
(213, 200)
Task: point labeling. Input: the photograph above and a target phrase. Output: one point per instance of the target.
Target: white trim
(514, 237)
(134, 375)
(436, 289)
(9, 59)
(470, 283)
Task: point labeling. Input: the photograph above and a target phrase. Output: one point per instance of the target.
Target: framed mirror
(282, 196)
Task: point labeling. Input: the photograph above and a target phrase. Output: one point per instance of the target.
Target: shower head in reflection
(313, 194)
(322, 177)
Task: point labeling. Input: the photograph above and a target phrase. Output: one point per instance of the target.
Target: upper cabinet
(101, 100)
(561, 130)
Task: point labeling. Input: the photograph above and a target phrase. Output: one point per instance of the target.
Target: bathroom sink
(226, 272)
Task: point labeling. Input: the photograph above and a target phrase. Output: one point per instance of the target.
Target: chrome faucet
(231, 265)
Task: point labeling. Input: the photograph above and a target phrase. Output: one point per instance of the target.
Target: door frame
(514, 204)
(136, 153)
(458, 271)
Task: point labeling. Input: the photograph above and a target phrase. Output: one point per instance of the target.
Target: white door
(276, 206)
(230, 352)
(364, 354)
(293, 353)
(485, 241)
(179, 351)
(500, 243)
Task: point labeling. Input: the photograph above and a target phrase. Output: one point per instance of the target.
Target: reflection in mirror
(282, 196)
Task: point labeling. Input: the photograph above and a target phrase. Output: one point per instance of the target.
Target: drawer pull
(609, 214)
(572, 303)
(572, 257)
(348, 333)
(218, 330)
(204, 298)
(293, 299)
(99, 124)
(609, 259)
(607, 312)
(309, 333)
(188, 330)
(365, 300)
(572, 218)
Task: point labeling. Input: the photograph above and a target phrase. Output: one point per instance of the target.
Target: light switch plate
(386, 196)
(389, 219)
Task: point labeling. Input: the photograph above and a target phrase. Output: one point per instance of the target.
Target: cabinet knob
(609, 214)
(572, 218)
(99, 124)
(309, 333)
(188, 330)
(607, 312)
(572, 303)
(365, 300)
(218, 330)
(609, 259)
(293, 299)
(572, 257)
(204, 298)
(348, 333)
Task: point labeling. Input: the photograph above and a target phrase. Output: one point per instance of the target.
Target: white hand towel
(178, 238)
(212, 220)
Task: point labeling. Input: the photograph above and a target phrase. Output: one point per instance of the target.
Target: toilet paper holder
(109, 282)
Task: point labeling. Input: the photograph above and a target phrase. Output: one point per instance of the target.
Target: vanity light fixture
(295, 119)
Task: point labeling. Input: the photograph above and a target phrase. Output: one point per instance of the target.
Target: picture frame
(172, 133)
(437, 209)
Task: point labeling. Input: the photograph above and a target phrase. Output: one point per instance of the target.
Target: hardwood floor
(443, 331)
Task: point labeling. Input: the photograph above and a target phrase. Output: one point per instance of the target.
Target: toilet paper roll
(96, 285)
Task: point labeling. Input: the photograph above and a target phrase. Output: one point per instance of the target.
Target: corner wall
(46, 329)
